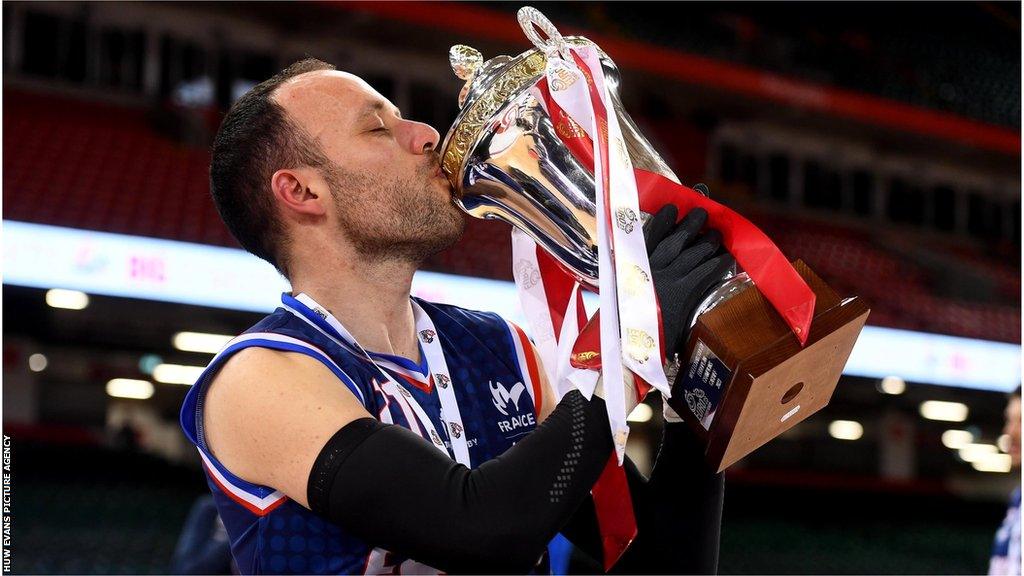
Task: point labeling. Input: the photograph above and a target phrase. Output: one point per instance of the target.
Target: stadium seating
(970, 72)
(102, 167)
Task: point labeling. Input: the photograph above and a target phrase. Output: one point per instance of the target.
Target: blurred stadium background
(880, 142)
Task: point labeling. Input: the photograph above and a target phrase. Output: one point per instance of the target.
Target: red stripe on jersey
(247, 505)
(531, 366)
(425, 386)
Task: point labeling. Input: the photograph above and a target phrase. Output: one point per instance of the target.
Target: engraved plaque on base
(744, 379)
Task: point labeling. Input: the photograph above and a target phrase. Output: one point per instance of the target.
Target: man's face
(390, 198)
(1012, 428)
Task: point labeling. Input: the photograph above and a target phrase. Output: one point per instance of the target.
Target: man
(358, 430)
(1006, 548)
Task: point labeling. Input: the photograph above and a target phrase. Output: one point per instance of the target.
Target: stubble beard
(394, 219)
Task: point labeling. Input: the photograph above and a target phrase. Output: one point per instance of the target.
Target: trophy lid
(493, 83)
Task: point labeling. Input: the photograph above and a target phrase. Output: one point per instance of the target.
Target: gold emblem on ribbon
(568, 128)
(636, 280)
(620, 147)
(620, 437)
(584, 357)
(639, 345)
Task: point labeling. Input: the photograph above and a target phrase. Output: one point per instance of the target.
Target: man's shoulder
(261, 350)
(271, 322)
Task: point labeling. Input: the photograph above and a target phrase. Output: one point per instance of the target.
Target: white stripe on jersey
(295, 342)
(256, 501)
(414, 375)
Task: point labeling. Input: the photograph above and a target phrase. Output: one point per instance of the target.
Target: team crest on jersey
(435, 438)
(427, 335)
(506, 400)
(502, 397)
(456, 429)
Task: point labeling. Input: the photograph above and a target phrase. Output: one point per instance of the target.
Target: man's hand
(685, 264)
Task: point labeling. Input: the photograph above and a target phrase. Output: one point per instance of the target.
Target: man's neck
(370, 297)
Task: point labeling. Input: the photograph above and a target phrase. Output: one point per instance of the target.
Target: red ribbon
(771, 272)
(613, 507)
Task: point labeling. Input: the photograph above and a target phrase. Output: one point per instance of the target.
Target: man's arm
(267, 414)
(678, 513)
(282, 420)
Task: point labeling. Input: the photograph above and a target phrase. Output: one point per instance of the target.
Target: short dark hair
(255, 139)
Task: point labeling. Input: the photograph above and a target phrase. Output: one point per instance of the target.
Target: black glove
(685, 264)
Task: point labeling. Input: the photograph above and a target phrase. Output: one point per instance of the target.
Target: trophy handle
(530, 20)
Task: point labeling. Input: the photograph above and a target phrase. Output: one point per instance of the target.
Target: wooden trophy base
(745, 379)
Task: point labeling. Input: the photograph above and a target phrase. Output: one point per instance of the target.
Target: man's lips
(439, 173)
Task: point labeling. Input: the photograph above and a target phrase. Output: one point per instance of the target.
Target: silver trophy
(507, 159)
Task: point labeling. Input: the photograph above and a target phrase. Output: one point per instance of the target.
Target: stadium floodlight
(1003, 443)
(994, 463)
(37, 362)
(200, 342)
(976, 452)
(642, 413)
(177, 374)
(67, 299)
(845, 430)
(956, 439)
(892, 385)
(944, 411)
(129, 388)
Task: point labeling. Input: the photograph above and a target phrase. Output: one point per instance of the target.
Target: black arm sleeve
(678, 513)
(386, 485)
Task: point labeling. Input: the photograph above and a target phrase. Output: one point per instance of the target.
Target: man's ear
(294, 190)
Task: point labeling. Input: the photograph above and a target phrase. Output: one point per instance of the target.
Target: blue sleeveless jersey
(498, 393)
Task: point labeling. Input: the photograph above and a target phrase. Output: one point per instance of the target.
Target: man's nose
(423, 139)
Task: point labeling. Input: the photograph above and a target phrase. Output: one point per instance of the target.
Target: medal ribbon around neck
(430, 343)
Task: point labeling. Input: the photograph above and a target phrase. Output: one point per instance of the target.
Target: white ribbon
(629, 315)
(430, 339)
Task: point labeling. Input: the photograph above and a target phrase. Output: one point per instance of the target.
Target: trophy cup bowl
(744, 379)
(505, 160)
